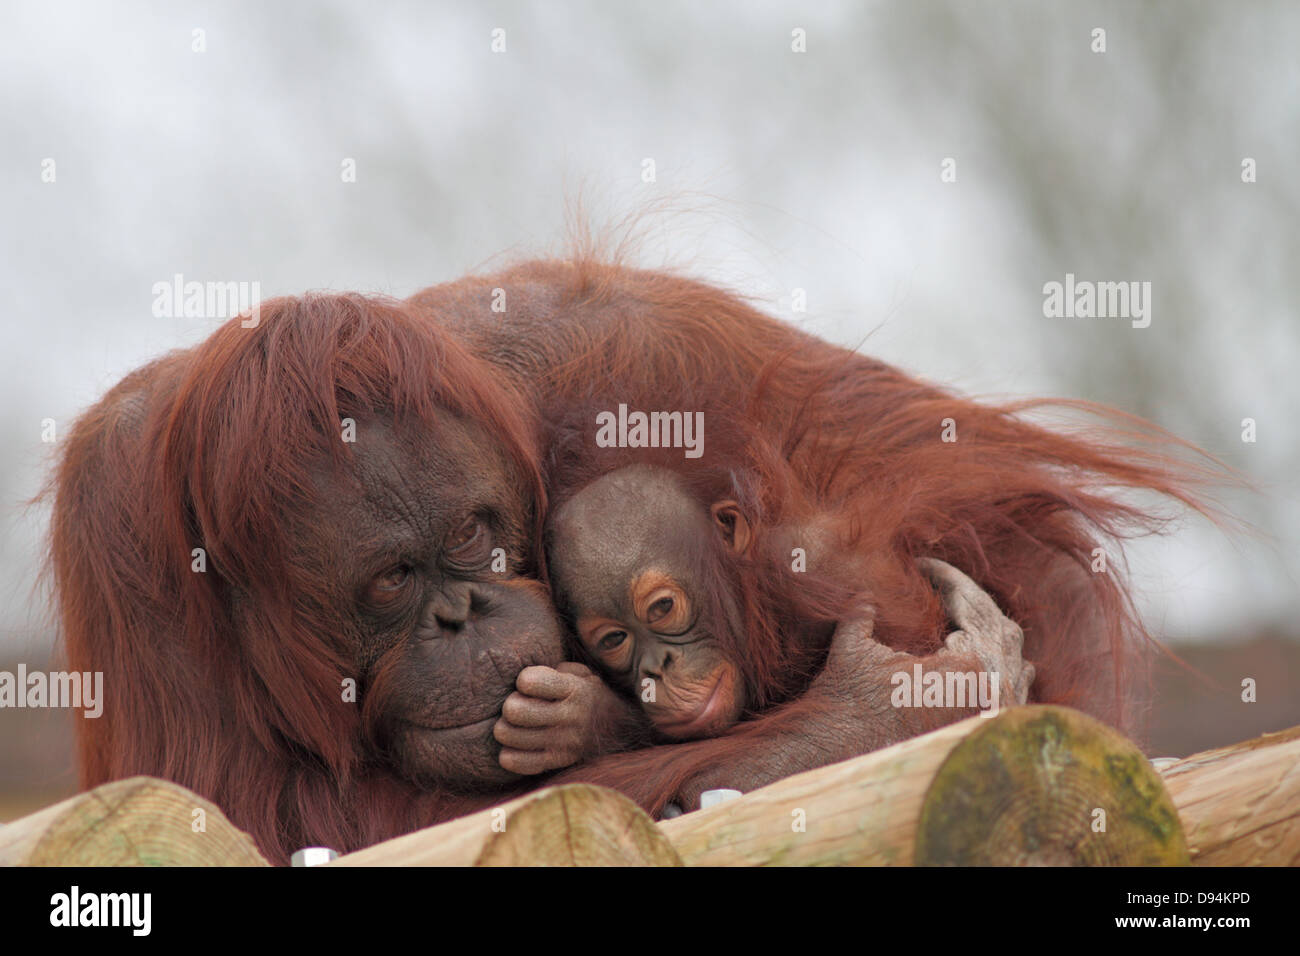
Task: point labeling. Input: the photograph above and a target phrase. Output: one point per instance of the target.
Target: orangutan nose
(658, 669)
(451, 607)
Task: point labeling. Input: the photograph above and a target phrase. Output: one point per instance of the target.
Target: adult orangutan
(267, 541)
(305, 556)
(852, 450)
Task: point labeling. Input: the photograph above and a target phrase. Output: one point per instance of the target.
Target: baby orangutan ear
(731, 522)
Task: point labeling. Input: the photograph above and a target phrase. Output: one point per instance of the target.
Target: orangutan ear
(731, 522)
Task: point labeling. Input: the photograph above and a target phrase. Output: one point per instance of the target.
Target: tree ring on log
(578, 825)
(140, 821)
(1026, 788)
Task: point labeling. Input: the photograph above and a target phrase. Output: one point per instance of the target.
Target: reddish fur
(784, 618)
(211, 447)
(1016, 505)
(208, 447)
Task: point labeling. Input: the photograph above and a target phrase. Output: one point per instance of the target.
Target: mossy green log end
(1045, 785)
(1022, 787)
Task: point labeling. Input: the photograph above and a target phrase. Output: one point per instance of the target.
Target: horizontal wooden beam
(1033, 785)
(1240, 804)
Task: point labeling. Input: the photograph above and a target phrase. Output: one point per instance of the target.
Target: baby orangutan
(669, 601)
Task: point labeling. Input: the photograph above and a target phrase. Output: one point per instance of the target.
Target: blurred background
(212, 140)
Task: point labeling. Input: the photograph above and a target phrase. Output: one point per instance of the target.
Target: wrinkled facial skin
(624, 557)
(407, 539)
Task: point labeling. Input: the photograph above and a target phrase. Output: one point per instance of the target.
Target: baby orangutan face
(629, 556)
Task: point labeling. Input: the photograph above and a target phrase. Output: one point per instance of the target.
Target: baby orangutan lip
(702, 718)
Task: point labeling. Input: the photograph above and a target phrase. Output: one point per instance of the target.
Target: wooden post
(1240, 804)
(572, 825)
(1034, 785)
(139, 821)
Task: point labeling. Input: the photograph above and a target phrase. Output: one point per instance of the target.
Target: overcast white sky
(817, 171)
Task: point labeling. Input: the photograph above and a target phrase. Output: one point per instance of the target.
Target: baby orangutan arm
(559, 716)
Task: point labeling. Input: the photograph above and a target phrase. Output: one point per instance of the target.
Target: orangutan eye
(389, 586)
(612, 640)
(468, 545)
(659, 610)
(461, 538)
(666, 608)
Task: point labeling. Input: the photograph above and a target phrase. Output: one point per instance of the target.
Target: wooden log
(140, 821)
(1033, 785)
(572, 825)
(1240, 804)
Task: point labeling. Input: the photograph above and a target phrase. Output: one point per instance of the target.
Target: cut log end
(571, 825)
(140, 821)
(1048, 786)
(579, 825)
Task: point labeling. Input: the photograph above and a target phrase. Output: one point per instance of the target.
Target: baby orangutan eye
(612, 640)
(667, 609)
(659, 610)
(609, 641)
